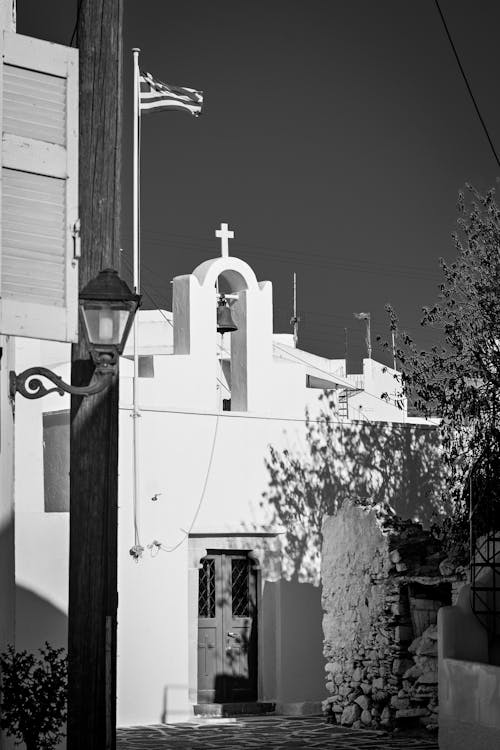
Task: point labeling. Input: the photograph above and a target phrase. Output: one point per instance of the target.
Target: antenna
(366, 316)
(294, 321)
(393, 338)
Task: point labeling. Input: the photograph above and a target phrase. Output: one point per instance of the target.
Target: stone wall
(381, 591)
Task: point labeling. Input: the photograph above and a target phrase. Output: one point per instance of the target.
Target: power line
(150, 284)
(264, 418)
(73, 35)
(201, 246)
(467, 83)
(206, 244)
(326, 330)
(330, 332)
(270, 258)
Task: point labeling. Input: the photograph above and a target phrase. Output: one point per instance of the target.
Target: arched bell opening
(228, 285)
(238, 362)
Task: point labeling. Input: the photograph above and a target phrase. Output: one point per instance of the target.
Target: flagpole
(295, 321)
(137, 284)
(135, 52)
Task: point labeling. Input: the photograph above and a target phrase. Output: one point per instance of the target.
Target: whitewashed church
(206, 614)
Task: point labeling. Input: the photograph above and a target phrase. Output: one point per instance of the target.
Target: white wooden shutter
(39, 189)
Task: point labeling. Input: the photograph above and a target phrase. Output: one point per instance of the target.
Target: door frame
(264, 549)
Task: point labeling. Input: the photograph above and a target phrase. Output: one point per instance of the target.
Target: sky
(334, 139)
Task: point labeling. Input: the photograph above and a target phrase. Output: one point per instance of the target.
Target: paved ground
(265, 733)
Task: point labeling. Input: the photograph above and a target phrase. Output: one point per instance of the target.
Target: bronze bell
(225, 322)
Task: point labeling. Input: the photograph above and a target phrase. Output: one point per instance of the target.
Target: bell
(225, 322)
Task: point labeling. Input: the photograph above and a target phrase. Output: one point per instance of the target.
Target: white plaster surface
(469, 705)
(469, 687)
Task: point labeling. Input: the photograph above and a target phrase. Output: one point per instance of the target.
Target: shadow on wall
(302, 673)
(38, 621)
(392, 467)
(174, 709)
(7, 585)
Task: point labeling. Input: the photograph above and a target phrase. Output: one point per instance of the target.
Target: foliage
(384, 465)
(33, 706)
(459, 380)
(392, 468)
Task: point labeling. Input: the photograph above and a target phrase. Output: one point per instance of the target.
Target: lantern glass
(107, 323)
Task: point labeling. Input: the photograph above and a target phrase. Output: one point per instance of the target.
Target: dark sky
(334, 139)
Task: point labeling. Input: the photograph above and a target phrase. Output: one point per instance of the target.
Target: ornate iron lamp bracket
(32, 387)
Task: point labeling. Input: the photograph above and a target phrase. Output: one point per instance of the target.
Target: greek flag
(155, 95)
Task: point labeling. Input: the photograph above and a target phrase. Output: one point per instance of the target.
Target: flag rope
(149, 95)
(137, 288)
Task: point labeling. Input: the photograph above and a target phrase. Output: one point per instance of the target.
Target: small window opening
(146, 366)
(56, 461)
(424, 601)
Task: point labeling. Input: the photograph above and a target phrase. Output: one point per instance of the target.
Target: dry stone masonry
(382, 588)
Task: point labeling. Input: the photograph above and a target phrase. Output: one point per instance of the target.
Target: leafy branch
(33, 696)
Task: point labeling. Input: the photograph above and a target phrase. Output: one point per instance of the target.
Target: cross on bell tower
(224, 234)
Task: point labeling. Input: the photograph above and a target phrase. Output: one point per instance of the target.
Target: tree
(459, 380)
(33, 706)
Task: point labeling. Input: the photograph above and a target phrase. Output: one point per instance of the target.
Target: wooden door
(227, 629)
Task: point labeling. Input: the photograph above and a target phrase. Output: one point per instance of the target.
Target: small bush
(33, 698)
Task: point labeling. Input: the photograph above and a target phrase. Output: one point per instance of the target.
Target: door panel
(227, 629)
(207, 659)
(209, 625)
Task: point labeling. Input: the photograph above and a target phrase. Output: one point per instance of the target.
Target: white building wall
(176, 443)
(42, 539)
(469, 679)
(206, 471)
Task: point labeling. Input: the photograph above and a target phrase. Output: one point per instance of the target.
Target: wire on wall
(156, 546)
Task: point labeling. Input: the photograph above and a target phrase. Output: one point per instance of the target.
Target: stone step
(233, 709)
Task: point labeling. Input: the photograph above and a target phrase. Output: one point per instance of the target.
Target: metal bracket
(75, 233)
(30, 386)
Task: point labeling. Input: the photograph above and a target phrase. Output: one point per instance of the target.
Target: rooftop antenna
(367, 318)
(294, 321)
(393, 339)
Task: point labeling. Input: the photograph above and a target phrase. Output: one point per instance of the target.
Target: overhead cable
(457, 58)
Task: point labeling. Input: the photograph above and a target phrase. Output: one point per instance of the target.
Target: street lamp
(107, 310)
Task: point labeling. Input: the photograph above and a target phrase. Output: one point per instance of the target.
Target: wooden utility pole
(94, 419)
